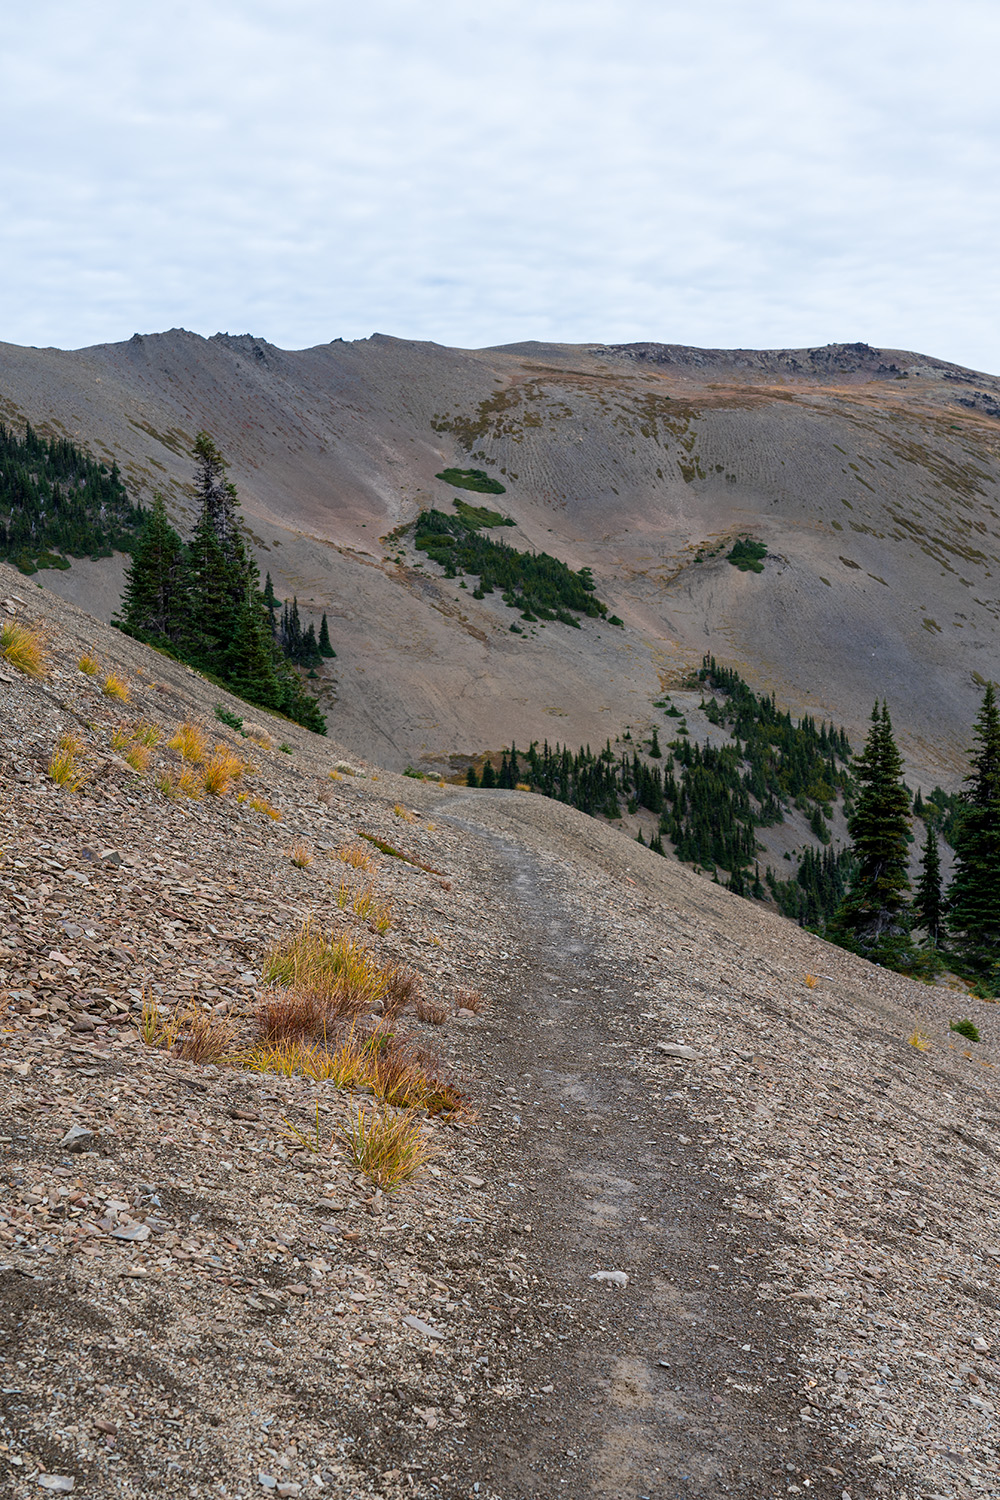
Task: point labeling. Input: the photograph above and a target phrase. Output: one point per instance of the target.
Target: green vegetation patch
(534, 583)
(58, 502)
(473, 479)
(747, 555)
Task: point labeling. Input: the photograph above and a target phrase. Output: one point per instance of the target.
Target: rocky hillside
(870, 477)
(708, 1209)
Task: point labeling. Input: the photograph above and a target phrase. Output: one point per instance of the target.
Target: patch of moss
(473, 479)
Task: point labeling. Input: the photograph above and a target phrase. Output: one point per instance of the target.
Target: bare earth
(805, 1209)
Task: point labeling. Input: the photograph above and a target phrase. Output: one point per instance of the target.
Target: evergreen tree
(250, 660)
(874, 918)
(154, 598)
(654, 748)
(489, 777)
(928, 902)
(270, 603)
(325, 649)
(471, 779)
(974, 894)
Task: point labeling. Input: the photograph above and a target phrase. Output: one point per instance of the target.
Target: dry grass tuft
(260, 737)
(88, 664)
(120, 738)
(473, 1000)
(138, 756)
(146, 733)
(367, 907)
(166, 782)
(190, 742)
(921, 1042)
(432, 1011)
(300, 856)
(335, 776)
(64, 764)
(404, 813)
(221, 771)
(811, 981)
(261, 805)
(341, 976)
(23, 649)
(116, 687)
(155, 1028)
(387, 1147)
(356, 857)
(203, 1038)
(189, 783)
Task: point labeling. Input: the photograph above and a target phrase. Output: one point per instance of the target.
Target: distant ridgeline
(540, 586)
(710, 800)
(55, 500)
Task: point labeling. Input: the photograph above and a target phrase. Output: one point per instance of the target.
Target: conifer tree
(489, 776)
(325, 649)
(270, 603)
(874, 918)
(928, 902)
(471, 779)
(154, 597)
(974, 894)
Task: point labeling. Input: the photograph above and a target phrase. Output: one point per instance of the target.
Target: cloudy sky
(788, 172)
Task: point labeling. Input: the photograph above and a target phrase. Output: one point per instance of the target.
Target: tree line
(57, 502)
(202, 601)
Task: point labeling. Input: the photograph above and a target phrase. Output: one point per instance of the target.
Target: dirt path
(680, 1383)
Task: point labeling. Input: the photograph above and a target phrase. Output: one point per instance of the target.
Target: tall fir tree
(928, 901)
(154, 598)
(271, 603)
(325, 648)
(874, 917)
(974, 894)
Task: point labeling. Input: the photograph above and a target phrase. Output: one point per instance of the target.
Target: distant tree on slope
(974, 894)
(928, 901)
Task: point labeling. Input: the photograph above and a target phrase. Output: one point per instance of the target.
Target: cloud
(783, 174)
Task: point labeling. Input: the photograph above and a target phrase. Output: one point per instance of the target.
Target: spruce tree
(489, 776)
(270, 603)
(974, 894)
(154, 597)
(325, 649)
(874, 917)
(928, 902)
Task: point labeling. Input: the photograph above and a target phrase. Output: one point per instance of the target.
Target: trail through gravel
(677, 1383)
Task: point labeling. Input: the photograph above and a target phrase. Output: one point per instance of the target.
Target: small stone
(676, 1049)
(464, 1014)
(107, 1427)
(268, 1481)
(289, 1489)
(616, 1278)
(84, 1024)
(420, 1326)
(331, 1205)
(60, 1483)
(77, 1138)
(135, 1233)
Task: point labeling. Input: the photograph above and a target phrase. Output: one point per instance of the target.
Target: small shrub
(300, 857)
(285, 749)
(88, 664)
(747, 555)
(221, 771)
(965, 1028)
(115, 687)
(224, 716)
(387, 1147)
(473, 1000)
(24, 649)
(190, 742)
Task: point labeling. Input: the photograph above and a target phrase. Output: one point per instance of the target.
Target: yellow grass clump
(64, 764)
(356, 857)
(88, 664)
(23, 648)
(189, 783)
(221, 771)
(921, 1042)
(368, 908)
(190, 742)
(386, 1146)
(300, 856)
(115, 687)
(120, 738)
(259, 804)
(146, 733)
(138, 756)
(337, 972)
(404, 813)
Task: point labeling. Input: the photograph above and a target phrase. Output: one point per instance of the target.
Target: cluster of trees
(201, 599)
(301, 645)
(961, 925)
(55, 499)
(537, 584)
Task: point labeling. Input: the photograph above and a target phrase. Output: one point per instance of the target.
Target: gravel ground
(805, 1208)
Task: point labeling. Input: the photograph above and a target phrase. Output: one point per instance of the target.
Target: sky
(779, 174)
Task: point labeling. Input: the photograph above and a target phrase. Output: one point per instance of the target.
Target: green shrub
(225, 716)
(968, 1029)
(472, 479)
(747, 555)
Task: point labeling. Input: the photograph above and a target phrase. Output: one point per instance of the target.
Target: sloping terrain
(783, 1153)
(869, 475)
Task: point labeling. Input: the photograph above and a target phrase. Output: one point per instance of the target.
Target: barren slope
(871, 475)
(671, 1083)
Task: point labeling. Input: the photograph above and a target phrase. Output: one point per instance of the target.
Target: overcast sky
(778, 173)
